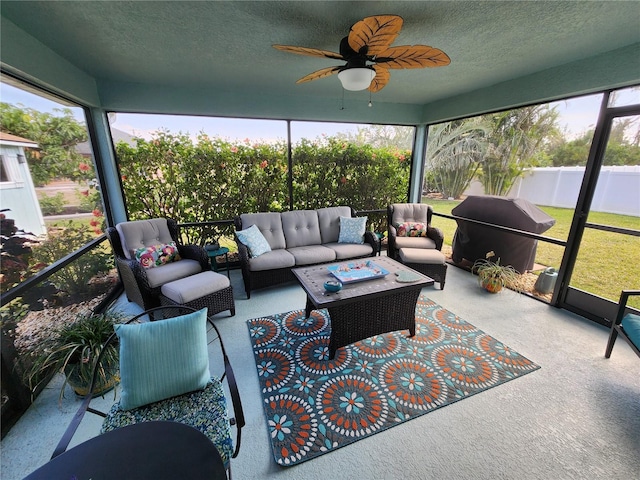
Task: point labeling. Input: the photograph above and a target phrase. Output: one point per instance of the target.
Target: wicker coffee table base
(371, 316)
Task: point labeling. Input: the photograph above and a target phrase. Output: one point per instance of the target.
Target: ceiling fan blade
(325, 72)
(375, 33)
(313, 52)
(413, 56)
(380, 80)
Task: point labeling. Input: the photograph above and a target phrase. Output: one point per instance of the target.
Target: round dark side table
(147, 450)
(217, 253)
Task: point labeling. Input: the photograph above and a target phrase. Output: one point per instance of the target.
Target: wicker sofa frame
(254, 280)
(133, 275)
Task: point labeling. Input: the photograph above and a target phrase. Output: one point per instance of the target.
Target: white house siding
(18, 193)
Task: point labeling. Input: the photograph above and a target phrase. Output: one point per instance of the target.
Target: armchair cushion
(254, 240)
(156, 277)
(143, 233)
(157, 255)
(162, 359)
(631, 326)
(411, 229)
(352, 229)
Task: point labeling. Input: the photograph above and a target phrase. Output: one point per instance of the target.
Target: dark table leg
(308, 308)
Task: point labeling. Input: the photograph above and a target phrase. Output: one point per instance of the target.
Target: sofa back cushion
(142, 234)
(270, 225)
(301, 228)
(329, 220)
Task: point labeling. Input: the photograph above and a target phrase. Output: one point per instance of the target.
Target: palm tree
(454, 150)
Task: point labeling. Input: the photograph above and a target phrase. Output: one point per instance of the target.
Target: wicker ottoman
(205, 289)
(429, 262)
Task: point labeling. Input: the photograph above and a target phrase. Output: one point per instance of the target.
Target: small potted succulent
(492, 276)
(73, 349)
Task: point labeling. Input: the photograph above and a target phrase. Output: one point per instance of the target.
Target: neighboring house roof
(9, 139)
(84, 148)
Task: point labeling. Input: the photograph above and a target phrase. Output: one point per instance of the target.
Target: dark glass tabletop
(148, 450)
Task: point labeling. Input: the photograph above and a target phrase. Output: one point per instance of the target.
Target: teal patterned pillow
(254, 240)
(163, 359)
(352, 229)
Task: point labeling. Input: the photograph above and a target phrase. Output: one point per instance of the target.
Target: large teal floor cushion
(631, 325)
(205, 410)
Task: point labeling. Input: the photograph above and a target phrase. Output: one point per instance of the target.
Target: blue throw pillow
(162, 359)
(631, 326)
(352, 229)
(254, 240)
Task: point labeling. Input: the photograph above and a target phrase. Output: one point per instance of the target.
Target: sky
(576, 116)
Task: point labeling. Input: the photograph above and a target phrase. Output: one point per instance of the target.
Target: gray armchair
(399, 214)
(142, 285)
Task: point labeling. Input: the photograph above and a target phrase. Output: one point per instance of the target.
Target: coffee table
(363, 309)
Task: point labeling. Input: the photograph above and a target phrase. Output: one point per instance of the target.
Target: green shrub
(74, 279)
(52, 205)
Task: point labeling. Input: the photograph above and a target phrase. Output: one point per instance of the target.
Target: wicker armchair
(142, 285)
(404, 213)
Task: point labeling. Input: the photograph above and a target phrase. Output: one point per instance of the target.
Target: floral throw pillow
(157, 255)
(411, 229)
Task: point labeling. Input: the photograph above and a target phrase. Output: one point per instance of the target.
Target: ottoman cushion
(427, 256)
(197, 286)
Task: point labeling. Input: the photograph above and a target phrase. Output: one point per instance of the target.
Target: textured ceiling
(227, 45)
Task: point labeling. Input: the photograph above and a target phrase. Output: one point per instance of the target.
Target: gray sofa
(296, 238)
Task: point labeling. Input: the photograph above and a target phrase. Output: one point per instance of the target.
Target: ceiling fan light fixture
(355, 79)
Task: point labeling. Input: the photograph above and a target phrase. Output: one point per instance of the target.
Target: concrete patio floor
(577, 417)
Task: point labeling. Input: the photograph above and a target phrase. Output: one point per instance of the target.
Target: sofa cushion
(631, 325)
(172, 271)
(312, 254)
(329, 220)
(254, 240)
(350, 250)
(352, 229)
(414, 242)
(143, 233)
(271, 260)
(269, 224)
(301, 228)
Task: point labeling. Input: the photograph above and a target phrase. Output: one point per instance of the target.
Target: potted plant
(73, 349)
(492, 276)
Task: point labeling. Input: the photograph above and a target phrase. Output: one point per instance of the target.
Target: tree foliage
(57, 136)
(516, 137)
(213, 179)
(454, 152)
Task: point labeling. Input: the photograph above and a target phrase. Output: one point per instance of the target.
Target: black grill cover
(472, 241)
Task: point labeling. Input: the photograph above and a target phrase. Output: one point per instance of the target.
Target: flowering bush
(214, 179)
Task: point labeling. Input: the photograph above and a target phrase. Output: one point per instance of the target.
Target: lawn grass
(607, 262)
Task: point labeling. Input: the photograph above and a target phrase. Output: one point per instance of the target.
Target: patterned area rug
(314, 405)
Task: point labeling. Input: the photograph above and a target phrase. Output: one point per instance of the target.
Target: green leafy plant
(73, 349)
(492, 276)
(52, 205)
(75, 278)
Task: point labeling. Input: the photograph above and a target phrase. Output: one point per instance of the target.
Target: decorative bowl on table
(332, 286)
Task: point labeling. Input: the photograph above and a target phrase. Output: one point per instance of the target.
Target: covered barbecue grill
(473, 241)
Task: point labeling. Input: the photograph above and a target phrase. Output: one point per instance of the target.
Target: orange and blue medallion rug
(314, 405)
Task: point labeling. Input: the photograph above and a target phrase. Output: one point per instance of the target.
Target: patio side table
(217, 253)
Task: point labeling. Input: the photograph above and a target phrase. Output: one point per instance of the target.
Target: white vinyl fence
(617, 191)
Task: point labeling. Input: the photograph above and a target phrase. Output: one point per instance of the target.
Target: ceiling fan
(369, 55)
